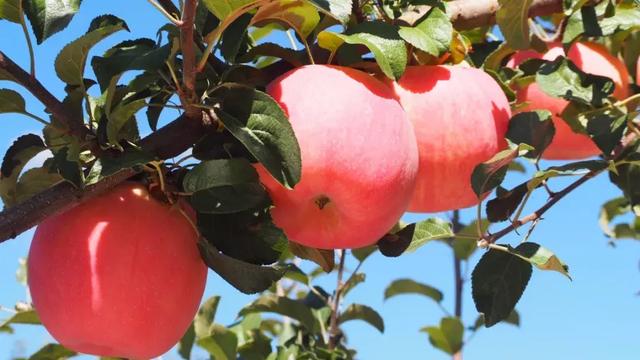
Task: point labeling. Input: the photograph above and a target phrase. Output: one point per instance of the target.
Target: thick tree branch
(75, 126)
(469, 14)
(165, 143)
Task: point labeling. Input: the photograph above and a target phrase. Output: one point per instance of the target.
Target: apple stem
(334, 328)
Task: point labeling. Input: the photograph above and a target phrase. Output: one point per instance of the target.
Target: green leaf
(353, 281)
(223, 8)
(506, 203)
(429, 229)
(248, 236)
(361, 254)
(448, 336)
(118, 118)
(497, 283)
(432, 34)
(224, 186)
(139, 54)
(414, 236)
(570, 169)
(541, 257)
(513, 319)
(186, 343)
(408, 286)
(489, 174)
(11, 102)
(533, 128)
(222, 343)
(48, 17)
(299, 15)
(19, 153)
(28, 317)
(627, 179)
(513, 20)
(68, 166)
(71, 61)
(52, 352)
(380, 38)
(324, 258)
(611, 210)
(562, 78)
(34, 181)
(246, 277)
(11, 10)
(205, 317)
(606, 127)
(259, 123)
(214, 173)
(627, 18)
(337, 9)
(110, 164)
(364, 313)
(284, 306)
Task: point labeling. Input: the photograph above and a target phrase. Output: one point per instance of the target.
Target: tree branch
(469, 14)
(188, 55)
(52, 105)
(167, 142)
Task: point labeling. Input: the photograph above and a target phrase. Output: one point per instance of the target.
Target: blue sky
(597, 315)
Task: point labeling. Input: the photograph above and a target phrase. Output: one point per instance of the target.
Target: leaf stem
(32, 59)
(36, 118)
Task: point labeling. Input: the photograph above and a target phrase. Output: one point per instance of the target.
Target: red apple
(119, 275)
(590, 58)
(359, 158)
(460, 116)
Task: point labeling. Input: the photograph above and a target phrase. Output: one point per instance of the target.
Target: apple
(117, 276)
(359, 158)
(590, 58)
(460, 116)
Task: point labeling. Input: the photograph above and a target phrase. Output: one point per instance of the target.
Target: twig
(188, 56)
(458, 279)
(490, 239)
(334, 329)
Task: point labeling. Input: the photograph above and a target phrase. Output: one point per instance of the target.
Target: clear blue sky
(594, 317)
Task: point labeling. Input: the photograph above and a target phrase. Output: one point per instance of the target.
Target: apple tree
(306, 128)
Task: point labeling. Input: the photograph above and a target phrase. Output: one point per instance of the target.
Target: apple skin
(590, 58)
(359, 158)
(117, 276)
(460, 116)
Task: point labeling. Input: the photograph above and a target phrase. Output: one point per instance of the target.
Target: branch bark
(469, 14)
(188, 56)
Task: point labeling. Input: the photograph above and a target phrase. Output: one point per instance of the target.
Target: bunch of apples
(120, 275)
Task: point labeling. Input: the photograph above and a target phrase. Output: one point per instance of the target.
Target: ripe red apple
(590, 58)
(117, 276)
(359, 158)
(460, 116)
